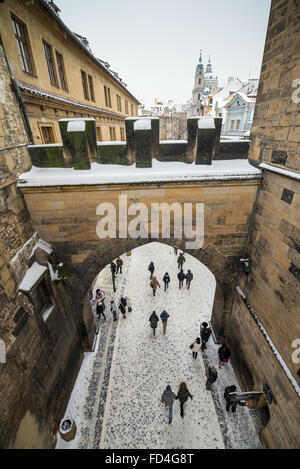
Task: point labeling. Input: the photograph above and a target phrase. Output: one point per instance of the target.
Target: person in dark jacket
(230, 402)
(164, 319)
(153, 321)
(211, 377)
(205, 333)
(175, 250)
(168, 398)
(180, 261)
(122, 306)
(166, 280)
(100, 309)
(113, 269)
(119, 263)
(189, 277)
(151, 269)
(224, 354)
(181, 277)
(183, 395)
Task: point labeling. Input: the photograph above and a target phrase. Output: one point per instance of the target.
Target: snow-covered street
(116, 399)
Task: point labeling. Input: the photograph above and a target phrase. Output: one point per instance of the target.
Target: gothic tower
(198, 88)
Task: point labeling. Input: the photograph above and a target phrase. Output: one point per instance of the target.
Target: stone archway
(108, 250)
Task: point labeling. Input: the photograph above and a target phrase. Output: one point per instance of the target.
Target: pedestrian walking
(113, 268)
(154, 284)
(100, 309)
(168, 398)
(224, 354)
(212, 376)
(189, 277)
(181, 277)
(230, 401)
(166, 280)
(122, 306)
(100, 295)
(183, 395)
(175, 250)
(113, 308)
(153, 321)
(164, 319)
(151, 269)
(180, 260)
(119, 264)
(205, 333)
(195, 347)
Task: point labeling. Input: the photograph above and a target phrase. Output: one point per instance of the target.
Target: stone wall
(42, 357)
(272, 287)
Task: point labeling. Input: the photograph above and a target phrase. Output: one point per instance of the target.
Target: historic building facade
(57, 76)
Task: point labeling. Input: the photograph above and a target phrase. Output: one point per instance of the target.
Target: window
(47, 133)
(126, 107)
(21, 36)
(99, 134)
(238, 124)
(232, 124)
(91, 86)
(119, 103)
(107, 96)
(122, 133)
(50, 63)
(112, 133)
(199, 97)
(42, 298)
(84, 85)
(132, 110)
(61, 71)
(199, 81)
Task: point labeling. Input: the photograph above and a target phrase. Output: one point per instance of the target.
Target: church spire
(200, 64)
(209, 66)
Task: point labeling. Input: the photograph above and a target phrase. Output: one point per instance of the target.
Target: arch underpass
(65, 215)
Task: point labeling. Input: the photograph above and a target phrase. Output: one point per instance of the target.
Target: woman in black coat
(183, 395)
(166, 280)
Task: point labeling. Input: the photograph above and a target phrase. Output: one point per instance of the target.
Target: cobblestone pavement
(116, 399)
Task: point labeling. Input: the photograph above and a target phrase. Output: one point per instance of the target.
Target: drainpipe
(245, 251)
(19, 96)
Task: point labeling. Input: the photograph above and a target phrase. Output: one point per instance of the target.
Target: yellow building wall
(41, 26)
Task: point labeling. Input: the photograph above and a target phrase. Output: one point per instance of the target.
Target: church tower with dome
(205, 83)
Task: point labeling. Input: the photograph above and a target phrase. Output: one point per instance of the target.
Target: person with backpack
(119, 263)
(195, 347)
(151, 269)
(224, 354)
(180, 261)
(122, 306)
(183, 395)
(211, 374)
(153, 321)
(205, 333)
(166, 280)
(113, 308)
(113, 269)
(168, 398)
(154, 284)
(164, 319)
(100, 309)
(181, 277)
(189, 277)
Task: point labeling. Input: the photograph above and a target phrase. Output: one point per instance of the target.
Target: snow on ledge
(142, 124)
(32, 276)
(168, 142)
(76, 126)
(270, 342)
(112, 142)
(160, 172)
(206, 122)
(283, 172)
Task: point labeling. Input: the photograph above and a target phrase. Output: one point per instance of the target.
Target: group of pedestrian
(154, 321)
(154, 283)
(169, 397)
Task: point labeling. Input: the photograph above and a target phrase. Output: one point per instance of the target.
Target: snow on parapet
(32, 276)
(206, 122)
(270, 342)
(76, 126)
(142, 124)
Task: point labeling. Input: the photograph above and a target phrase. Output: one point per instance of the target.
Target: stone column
(206, 140)
(143, 143)
(192, 127)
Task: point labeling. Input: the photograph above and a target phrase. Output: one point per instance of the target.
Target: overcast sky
(154, 45)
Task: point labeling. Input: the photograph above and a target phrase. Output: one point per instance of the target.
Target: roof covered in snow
(32, 276)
